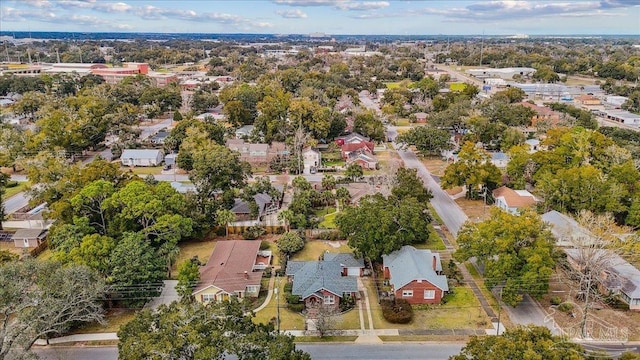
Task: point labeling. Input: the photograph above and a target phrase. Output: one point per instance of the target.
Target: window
(407, 293)
(429, 294)
(329, 299)
(252, 288)
(208, 297)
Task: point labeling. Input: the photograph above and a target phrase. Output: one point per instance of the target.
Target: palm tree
(223, 218)
(286, 216)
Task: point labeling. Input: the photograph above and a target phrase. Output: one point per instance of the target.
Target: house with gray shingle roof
(323, 282)
(265, 206)
(415, 275)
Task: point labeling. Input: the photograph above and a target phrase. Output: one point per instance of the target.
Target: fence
(38, 249)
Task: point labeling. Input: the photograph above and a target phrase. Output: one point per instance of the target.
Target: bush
(11, 184)
(265, 245)
(253, 232)
(293, 299)
(267, 273)
(397, 311)
(329, 235)
(296, 307)
(347, 303)
(556, 300)
(565, 307)
(288, 287)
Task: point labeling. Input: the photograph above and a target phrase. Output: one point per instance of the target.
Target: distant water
(271, 37)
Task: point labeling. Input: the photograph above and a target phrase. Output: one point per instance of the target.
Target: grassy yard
(22, 186)
(462, 311)
(324, 211)
(143, 170)
(349, 320)
(402, 122)
(114, 319)
(313, 249)
(434, 242)
(316, 339)
(289, 320)
(328, 222)
(189, 249)
(8, 246)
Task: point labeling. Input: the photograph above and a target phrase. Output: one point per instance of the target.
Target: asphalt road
(318, 351)
(450, 213)
(15, 202)
(149, 130)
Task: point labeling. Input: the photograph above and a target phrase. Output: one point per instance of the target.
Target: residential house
(542, 113)
(534, 145)
(28, 238)
(588, 101)
(141, 157)
(265, 205)
(415, 275)
(512, 201)
(257, 153)
(623, 116)
(324, 282)
(421, 117)
(350, 265)
(352, 138)
(244, 131)
(311, 160)
(362, 147)
(159, 137)
(618, 278)
(566, 230)
(362, 158)
(499, 159)
(234, 269)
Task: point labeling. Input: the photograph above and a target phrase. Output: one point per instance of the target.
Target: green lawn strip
(114, 319)
(316, 339)
(144, 170)
(324, 211)
(313, 249)
(348, 320)
(402, 122)
(10, 191)
(483, 289)
(438, 338)
(289, 320)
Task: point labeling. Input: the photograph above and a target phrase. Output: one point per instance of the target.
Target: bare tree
(40, 299)
(592, 259)
(326, 318)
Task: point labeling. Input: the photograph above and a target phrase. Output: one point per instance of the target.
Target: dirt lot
(476, 210)
(435, 165)
(604, 322)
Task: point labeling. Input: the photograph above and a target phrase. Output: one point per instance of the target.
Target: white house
(141, 157)
(512, 201)
(311, 159)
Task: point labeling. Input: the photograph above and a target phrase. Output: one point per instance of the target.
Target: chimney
(434, 262)
(246, 275)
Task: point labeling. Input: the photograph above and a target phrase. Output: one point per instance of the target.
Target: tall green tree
(532, 342)
(196, 331)
(188, 277)
(428, 140)
(472, 170)
(516, 251)
(290, 243)
(379, 226)
(408, 184)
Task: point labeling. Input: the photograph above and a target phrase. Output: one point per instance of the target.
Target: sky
(333, 17)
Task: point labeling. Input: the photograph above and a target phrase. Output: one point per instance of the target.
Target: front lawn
(462, 311)
(433, 243)
(143, 170)
(349, 320)
(114, 319)
(328, 222)
(289, 320)
(10, 191)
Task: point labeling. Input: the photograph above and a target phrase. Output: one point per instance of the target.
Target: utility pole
(277, 304)
(499, 308)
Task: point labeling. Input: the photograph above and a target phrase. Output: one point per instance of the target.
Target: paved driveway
(167, 296)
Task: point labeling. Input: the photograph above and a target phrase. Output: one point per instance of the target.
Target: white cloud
(292, 14)
(15, 15)
(38, 3)
(310, 2)
(365, 5)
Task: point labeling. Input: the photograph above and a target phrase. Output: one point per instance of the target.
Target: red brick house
(325, 282)
(415, 275)
(364, 147)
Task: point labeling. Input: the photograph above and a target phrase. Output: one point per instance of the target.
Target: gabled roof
(622, 275)
(361, 155)
(348, 147)
(241, 206)
(140, 153)
(227, 266)
(353, 137)
(310, 277)
(409, 264)
(565, 229)
(344, 259)
(514, 198)
(22, 234)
